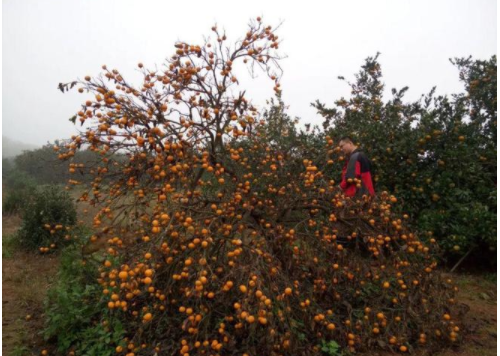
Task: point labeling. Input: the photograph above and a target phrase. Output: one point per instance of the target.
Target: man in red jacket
(356, 174)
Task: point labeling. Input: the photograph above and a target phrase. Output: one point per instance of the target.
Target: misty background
(52, 41)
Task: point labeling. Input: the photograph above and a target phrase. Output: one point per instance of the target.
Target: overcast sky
(47, 42)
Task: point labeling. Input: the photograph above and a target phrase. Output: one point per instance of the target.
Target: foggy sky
(47, 42)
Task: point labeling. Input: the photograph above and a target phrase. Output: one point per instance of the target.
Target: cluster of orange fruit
(242, 244)
(55, 231)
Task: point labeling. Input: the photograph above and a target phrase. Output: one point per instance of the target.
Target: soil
(25, 279)
(480, 294)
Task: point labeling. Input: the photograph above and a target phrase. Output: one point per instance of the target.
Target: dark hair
(347, 138)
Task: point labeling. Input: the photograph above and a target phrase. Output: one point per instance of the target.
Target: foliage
(19, 190)
(43, 165)
(16, 200)
(21, 350)
(16, 179)
(227, 232)
(331, 348)
(47, 219)
(7, 166)
(438, 155)
(75, 312)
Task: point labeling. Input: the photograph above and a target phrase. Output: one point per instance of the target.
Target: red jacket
(357, 166)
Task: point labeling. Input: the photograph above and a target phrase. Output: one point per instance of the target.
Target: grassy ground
(26, 278)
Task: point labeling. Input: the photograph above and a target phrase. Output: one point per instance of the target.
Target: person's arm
(343, 183)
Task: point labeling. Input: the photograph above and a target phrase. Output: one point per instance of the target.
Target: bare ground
(25, 279)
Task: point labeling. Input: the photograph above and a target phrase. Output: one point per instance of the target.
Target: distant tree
(7, 166)
(44, 165)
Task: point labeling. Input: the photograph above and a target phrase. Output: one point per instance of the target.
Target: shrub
(16, 179)
(19, 190)
(238, 240)
(75, 312)
(47, 219)
(16, 200)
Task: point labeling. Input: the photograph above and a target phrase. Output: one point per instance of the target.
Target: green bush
(16, 179)
(76, 313)
(47, 219)
(437, 154)
(19, 189)
(16, 200)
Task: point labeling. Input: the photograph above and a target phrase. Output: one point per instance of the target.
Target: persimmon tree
(226, 234)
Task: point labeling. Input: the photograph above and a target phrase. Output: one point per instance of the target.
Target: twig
(460, 261)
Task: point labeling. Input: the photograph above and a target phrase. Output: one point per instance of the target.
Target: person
(356, 174)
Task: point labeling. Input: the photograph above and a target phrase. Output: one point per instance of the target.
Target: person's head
(347, 145)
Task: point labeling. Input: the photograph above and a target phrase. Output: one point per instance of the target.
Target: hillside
(11, 148)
